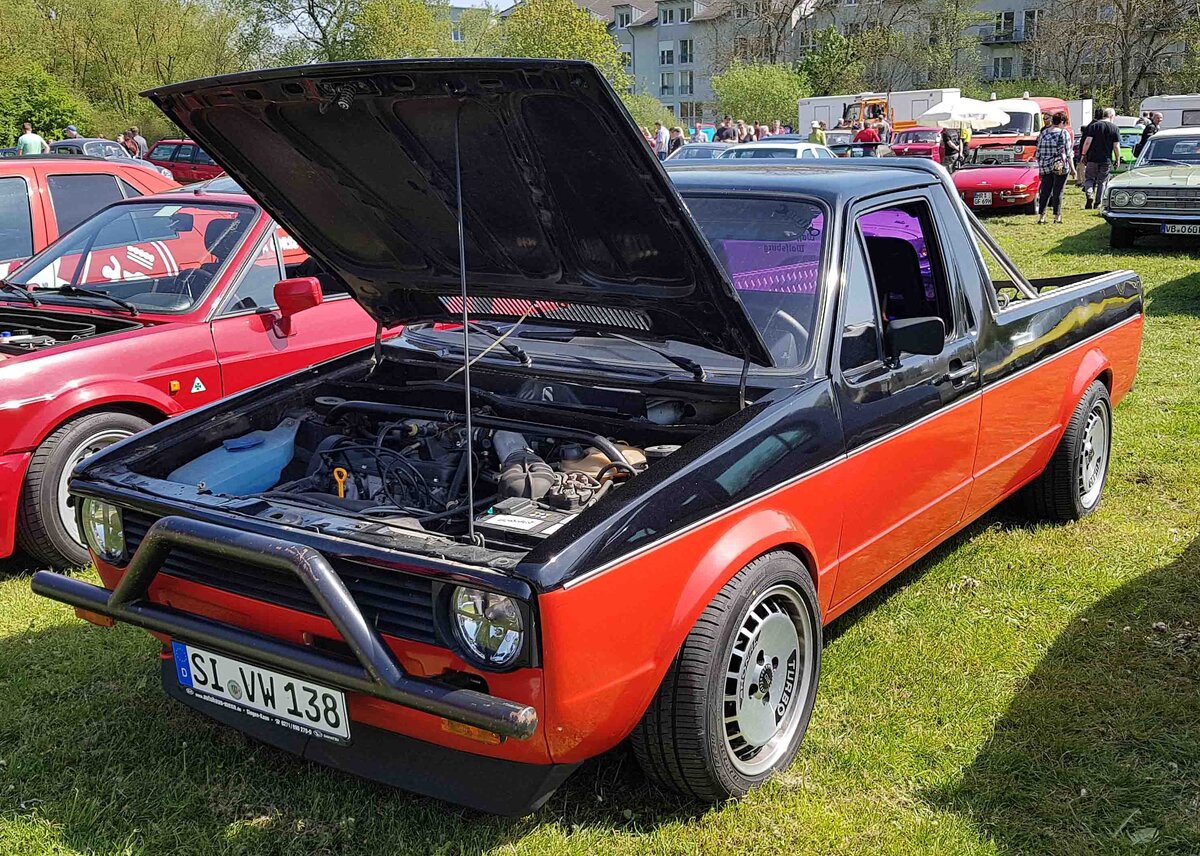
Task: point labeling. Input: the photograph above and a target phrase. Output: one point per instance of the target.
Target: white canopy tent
(965, 113)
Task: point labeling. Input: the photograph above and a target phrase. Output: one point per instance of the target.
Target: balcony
(1005, 36)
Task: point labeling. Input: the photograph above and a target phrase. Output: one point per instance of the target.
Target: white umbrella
(965, 113)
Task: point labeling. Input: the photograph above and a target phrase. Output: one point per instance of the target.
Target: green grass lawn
(1024, 690)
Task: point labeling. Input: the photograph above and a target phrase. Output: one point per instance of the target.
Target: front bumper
(1147, 221)
(12, 476)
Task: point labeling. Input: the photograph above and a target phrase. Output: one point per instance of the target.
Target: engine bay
(25, 330)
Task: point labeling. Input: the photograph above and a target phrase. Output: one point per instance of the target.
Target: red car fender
(94, 396)
(1094, 365)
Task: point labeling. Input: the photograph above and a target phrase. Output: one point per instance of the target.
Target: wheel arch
(1093, 366)
(87, 401)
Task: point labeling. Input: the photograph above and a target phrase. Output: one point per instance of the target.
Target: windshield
(760, 153)
(1184, 150)
(159, 257)
(697, 153)
(1130, 137)
(1020, 124)
(918, 137)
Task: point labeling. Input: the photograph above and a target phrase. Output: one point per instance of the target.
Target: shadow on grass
(1100, 751)
(1178, 297)
(19, 564)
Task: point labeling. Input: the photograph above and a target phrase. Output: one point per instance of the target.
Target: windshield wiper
(88, 292)
(683, 362)
(5, 285)
(513, 350)
(1170, 161)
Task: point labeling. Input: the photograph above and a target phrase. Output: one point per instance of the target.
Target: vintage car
(152, 306)
(44, 196)
(991, 180)
(1130, 137)
(184, 159)
(1160, 194)
(698, 151)
(99, 147)
(770, 149)
(918, 142)
(686, 419)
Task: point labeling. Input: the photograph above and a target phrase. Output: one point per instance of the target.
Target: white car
(783, 150)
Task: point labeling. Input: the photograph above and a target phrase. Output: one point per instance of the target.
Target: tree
(832, 65)
(29, 94)
(402, 28)
(646, 110)
(952, 56)
(759, 93)
(311, 30)
(558, 29)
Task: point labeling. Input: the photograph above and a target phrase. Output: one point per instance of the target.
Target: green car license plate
(1181, 229)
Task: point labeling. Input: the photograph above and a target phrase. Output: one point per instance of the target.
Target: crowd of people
(663, 140)
(32, 143)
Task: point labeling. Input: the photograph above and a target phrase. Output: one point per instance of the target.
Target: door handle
(960, 375)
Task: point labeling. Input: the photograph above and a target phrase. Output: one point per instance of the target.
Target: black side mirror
(915, 336)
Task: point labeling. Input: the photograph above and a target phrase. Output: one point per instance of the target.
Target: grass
(1024, 690)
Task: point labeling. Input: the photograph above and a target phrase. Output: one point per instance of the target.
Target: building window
(1031, 22)
(1004, 24)
(689, 111)
(1106, 14)
(627, 59)
(686, 84)
(742, 48)
(853, 28)
(851, 2)
(666, 53)
(666, 84)
(624, 16)
(686, 52)
(741, 10)
(685, 14)
(666, 16)
(1002, 67)
(762, 7)
(1028, 67)
(456, 35)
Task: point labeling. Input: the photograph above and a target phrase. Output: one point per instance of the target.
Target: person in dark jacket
(1101, 148)
(1148, 131)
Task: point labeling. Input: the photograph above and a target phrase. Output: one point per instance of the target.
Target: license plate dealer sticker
(262, 693)
(984, 198)
(1181, 229)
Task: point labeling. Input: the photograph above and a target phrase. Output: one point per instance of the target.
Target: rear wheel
(735, 703)
(46, 526)
(1120, 238)
(1071, 485)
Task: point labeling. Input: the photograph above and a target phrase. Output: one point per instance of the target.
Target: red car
(918, 143)
(186, 160)
(43, 196)
(711, 409)
(986, 186)
(153, 306)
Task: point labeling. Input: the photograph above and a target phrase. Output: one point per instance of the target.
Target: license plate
(262, 693)
(1181, 229)
(983, 198)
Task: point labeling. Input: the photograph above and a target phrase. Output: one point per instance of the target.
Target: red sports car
(988, 186)
(918, 143)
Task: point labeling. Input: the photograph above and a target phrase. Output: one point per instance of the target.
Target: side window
(861, 342)
(184, 154)
(257, 288)
(128, 189)
(77, 197)
(16, 227)
(910, 278)
(162, 152)
(201, 156)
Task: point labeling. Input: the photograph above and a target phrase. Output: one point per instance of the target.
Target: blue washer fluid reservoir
(251, 463)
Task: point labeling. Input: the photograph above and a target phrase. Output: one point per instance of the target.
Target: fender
(1092, 365)
(57, 410)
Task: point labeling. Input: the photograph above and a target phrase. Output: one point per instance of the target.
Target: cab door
(910, 422)
(252, 344)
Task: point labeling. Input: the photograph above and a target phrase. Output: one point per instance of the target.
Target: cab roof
(830, 181)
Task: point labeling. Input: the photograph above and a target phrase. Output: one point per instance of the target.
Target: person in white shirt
(661, 140)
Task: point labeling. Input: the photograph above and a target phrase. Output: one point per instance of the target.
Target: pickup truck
(151, 306)
(626, 460)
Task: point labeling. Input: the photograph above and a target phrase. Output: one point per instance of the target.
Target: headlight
(1138, 199)
(1020, 188)
(103, 529)
(488, 625)
(1120, 198)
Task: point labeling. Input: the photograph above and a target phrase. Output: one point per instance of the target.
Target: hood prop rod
(472, 536)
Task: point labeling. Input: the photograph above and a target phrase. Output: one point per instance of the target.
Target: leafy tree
(29, 94)
(559, 29)
(646, 110)
(832, 66)
(402, 28)
(952, 55)
(1016, 88)
(759, 93)
(311, 30)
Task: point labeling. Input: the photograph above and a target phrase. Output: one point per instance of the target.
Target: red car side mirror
(296, 295)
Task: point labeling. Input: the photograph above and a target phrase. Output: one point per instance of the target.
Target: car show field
(1025, 689)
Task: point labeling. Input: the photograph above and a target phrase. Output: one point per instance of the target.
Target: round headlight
(1120, 198)
(103, 529)
(488, 625)
(1138, 199)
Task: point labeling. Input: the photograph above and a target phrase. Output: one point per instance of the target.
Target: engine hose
(383, 409)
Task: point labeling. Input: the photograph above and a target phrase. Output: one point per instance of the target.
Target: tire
(1029, 208)
(1120, 238)
(683, 741)
(1072, 484)
(44, 529)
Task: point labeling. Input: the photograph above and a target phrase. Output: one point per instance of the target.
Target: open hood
(566, 211)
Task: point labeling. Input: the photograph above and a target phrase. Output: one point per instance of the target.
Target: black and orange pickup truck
(644, 435)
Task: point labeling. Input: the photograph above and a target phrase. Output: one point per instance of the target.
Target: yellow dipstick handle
(340, 475)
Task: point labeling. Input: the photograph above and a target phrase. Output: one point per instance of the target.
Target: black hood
(565, 205)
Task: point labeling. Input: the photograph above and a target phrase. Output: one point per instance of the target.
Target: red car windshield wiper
(5, 285)
(88, 292)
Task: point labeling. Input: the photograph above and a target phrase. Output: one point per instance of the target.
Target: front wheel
(1071, 485)
(46, 526)
(736, 701)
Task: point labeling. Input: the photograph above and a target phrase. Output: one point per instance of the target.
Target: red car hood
(905, 148)
(994, 177)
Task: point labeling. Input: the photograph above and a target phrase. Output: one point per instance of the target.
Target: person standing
(867, 135)
(1055, 163)
(661, 138)
(70, 133)
(698, 135)
(1101, 148)
(1148, 131)
(951, 148)
(816, 135)
(142, 146)
(30, 143)
(675, 140)
(726, 133)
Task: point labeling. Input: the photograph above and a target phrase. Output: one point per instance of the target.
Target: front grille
(395, 603)
(1166, 199)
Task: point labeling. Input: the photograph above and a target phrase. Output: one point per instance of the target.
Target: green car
(1160, 193)
(1130, 137)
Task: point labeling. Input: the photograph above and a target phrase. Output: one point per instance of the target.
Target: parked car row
(712, 407)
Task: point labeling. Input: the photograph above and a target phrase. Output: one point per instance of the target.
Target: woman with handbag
(1055, 151)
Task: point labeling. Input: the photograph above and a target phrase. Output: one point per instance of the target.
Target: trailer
(1178, 111)
(901, 109)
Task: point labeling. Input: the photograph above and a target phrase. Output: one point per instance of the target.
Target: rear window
(163, 152)
(77, 197)
(16, 228)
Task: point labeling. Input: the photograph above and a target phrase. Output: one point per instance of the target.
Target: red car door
(910, 421)
(252, 345)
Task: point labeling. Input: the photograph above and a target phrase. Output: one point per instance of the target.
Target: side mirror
(296, 295)
(915, 336)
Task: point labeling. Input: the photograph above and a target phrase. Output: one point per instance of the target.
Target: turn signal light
(471, 732)
(94, 617)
